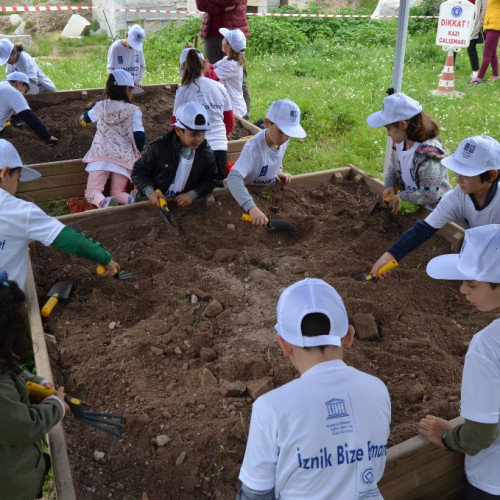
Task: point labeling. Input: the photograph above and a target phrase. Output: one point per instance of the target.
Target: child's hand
(258, 217)
(384, 259)
(154, 198)
(60, 395)
(284, 178)
(432, 428)
(387, 191)
(110, 269)
(393, 202)
(184, 200)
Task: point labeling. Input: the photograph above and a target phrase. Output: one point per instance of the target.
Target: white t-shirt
(181, 176)
(22, 222)
(214, 98)
(11, 100)
(481, 403)
(320, 437)
(27, 65)
(405, 159)
(258, 163)
(131, 60)
(455, 206)
(230, 74)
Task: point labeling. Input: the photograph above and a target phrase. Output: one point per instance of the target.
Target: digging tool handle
(102, 269)
(388, 266)
(49, 305)
(40, 391)
(163, 202)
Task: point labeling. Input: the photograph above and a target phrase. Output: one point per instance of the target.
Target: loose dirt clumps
(184, 349)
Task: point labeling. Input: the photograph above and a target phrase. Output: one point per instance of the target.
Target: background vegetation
(336, 70)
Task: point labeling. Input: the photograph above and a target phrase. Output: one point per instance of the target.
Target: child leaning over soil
(475, 201)
(179, 164)
(23, 424)
(415, 168)
(117, 142)
(19, 60)
(477, 267)
(324, 435)
(22, 222)
(261, 159)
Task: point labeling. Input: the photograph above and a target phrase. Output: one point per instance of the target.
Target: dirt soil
(183, 350)
(156, 103)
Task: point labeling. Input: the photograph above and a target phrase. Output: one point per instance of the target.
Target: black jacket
(159, 163)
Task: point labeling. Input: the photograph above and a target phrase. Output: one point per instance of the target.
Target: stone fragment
(365, 326)
(157, 350)
(15, 19)
(213, 309)
(207, 354)
(224, 255)
(76, 27)
(161, 440)
(207, 377)
(258, 387)
(238, 432)
(180, 458)
(98, 455)
(232, 389)
(242, 320)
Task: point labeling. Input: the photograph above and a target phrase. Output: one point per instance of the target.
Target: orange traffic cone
(446, 85)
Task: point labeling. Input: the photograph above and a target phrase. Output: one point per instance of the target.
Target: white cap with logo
(235, 38)
(125, 79)
(10, 158)
(192, 116)
(18, 76)
(396, 107)
(6, 47)
(478, 258)
(306, 297)
(286, 115)
(474, 156)
(136, 36)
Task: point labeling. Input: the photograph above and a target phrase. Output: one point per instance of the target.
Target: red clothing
(215, 16)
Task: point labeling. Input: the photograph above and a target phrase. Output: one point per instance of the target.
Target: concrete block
(76, 26)
(390, 7)
(20, 29)
(15, 19)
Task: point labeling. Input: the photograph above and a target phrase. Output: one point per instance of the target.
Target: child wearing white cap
(261, 160)
(22, 222)
(12, 100)
(117, 143)
(20, 60)
(229, 70)
(214, 97)
(475, 201)
(477, 267)
(180, 164)
(127, 54)
(324, 435)
(415, 168)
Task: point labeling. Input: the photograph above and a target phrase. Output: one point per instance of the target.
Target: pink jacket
(215, 16)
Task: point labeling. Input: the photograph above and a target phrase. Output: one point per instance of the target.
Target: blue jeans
(246, 493)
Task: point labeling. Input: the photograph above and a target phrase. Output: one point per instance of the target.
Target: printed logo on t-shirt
(137, 59)
(263, 171)
(367, 476)
(120, 59)
(336, 408)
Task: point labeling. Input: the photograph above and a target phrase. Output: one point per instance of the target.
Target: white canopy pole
(399, 61)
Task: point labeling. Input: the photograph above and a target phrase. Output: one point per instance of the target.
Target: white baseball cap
(10, 158)
(306, 297)
(6, 47)
(396, 107)
(286, 114)
(478, 258)
(191, 116)
(184, 54)
(474, 156)
(18, 76)
(235, 38)
(136, 37)
(125, 79)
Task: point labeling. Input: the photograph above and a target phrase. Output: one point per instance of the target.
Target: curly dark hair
(13, 341)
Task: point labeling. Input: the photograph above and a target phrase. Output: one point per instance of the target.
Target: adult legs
(490, 54)
(213, 49)
(473, 57)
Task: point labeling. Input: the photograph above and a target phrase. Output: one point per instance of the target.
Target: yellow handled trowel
(388, 266)
(59, 291)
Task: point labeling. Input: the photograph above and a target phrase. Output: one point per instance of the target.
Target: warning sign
(455, 24)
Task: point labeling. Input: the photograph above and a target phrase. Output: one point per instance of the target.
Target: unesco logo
(367, 476)
(456, 11)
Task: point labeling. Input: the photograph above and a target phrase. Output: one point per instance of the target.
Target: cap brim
(135, 46)
(28, 174)
(376, 120)
(445, 267)
(224, 31)
(137, 90)
(451, 163)
(295, 131)
(4, 60)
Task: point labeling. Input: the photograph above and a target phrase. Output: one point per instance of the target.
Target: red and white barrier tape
(61, 8)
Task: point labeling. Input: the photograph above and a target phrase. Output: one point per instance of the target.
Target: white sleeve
(137, 125)
(142, 68)
(42, 227)
(111, 57)
(93, 113)
(227, 71)
(445, 211)
(17, 101)
(30, 65)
